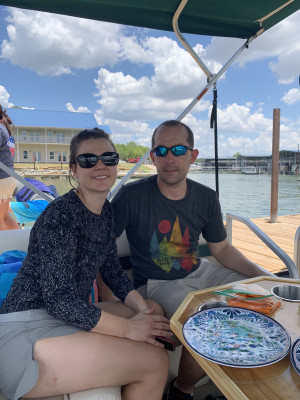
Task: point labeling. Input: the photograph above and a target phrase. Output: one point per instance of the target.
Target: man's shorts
(170, 293)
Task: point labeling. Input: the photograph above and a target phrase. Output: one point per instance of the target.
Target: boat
(235, 19)
(251, 171)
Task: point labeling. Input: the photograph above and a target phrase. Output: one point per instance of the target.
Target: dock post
(275, 165)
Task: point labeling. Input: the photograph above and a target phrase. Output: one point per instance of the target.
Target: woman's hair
(5, 120)
(82, 136)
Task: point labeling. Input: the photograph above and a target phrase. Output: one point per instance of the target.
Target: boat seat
(18, 239)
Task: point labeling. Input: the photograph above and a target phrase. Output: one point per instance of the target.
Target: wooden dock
(282, 233)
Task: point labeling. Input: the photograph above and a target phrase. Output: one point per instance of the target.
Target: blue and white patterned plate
(295, 355)
(236, 337)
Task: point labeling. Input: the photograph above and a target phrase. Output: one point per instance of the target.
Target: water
(245, 195)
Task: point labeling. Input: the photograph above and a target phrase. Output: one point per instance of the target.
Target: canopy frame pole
(212, 80)
(184, 42)
(213, 124)
(215, 78)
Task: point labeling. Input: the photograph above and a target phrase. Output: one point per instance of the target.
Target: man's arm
(230, 257)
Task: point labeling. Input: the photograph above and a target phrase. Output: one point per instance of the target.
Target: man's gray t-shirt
(163, 234)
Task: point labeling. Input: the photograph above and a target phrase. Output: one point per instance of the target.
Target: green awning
(227, 18)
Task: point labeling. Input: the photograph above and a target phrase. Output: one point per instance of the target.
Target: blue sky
(132, 79)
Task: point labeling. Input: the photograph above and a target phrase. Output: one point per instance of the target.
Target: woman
(7, 182)
(75, 344)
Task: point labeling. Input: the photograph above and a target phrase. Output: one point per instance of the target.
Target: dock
(282, 233)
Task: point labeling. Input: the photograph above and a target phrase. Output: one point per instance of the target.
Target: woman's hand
(144, 326)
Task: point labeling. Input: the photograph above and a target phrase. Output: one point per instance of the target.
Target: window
(50, 137)
(60, 138)
(51, 155)
(25, 154)
(34, 137)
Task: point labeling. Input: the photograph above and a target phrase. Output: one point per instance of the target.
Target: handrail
(293, 272)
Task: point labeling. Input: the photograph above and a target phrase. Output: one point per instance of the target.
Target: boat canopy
(230, 18)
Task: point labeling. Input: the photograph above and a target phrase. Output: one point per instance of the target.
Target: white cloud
(281, 43)
(80, 109)
(244, 130)
(291, 97)
(52, 44)
(154, 79)
(4, 97)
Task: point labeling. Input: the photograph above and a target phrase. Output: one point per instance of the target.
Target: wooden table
(278, 381)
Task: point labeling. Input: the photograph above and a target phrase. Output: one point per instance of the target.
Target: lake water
(245, 195)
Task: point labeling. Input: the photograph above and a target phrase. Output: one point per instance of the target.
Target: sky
(132, 79)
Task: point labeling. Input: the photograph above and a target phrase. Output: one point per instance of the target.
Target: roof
(54, 119)
(230, 18)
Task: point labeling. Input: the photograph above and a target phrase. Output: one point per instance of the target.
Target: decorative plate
(295, 355)
(236, 337)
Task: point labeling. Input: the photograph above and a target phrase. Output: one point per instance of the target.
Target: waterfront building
(289, 161)
(44, 136)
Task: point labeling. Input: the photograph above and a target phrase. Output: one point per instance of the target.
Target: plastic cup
(287, 292)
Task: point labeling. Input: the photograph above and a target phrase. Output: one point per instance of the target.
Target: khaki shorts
(19, 331)
(7, 187)
(170, 293)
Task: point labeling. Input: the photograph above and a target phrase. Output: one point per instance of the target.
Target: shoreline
(36, 173)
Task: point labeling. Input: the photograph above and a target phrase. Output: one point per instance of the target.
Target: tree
(130, 150)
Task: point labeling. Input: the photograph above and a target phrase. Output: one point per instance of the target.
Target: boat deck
(282, 233)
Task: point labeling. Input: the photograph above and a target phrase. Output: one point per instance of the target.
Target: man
(163, 216)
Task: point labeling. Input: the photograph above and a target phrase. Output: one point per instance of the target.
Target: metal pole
(213, 124)
(275, 165)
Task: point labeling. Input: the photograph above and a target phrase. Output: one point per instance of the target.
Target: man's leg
(170, 294)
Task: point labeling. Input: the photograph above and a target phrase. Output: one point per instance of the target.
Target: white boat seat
(18, 239)
(108, 393)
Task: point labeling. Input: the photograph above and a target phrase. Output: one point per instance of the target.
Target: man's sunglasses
(89, 160)
(179, 150)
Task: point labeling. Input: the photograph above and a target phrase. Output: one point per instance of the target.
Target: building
(45, 136)
(289, 161)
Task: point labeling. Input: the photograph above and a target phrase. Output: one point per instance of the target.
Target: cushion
(106, 393)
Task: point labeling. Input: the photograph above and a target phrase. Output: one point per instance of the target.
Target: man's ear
(152, 157)
(195, 153)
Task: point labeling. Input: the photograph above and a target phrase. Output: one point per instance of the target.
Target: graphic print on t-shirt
(175, 253)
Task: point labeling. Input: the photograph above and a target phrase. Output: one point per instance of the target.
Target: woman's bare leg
(88, 360)
(7, 222)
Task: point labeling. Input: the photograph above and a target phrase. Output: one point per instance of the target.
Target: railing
(293, 272)
(43, 140)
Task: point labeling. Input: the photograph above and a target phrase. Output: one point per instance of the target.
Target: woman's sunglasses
(179, 150)
(89, 160)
